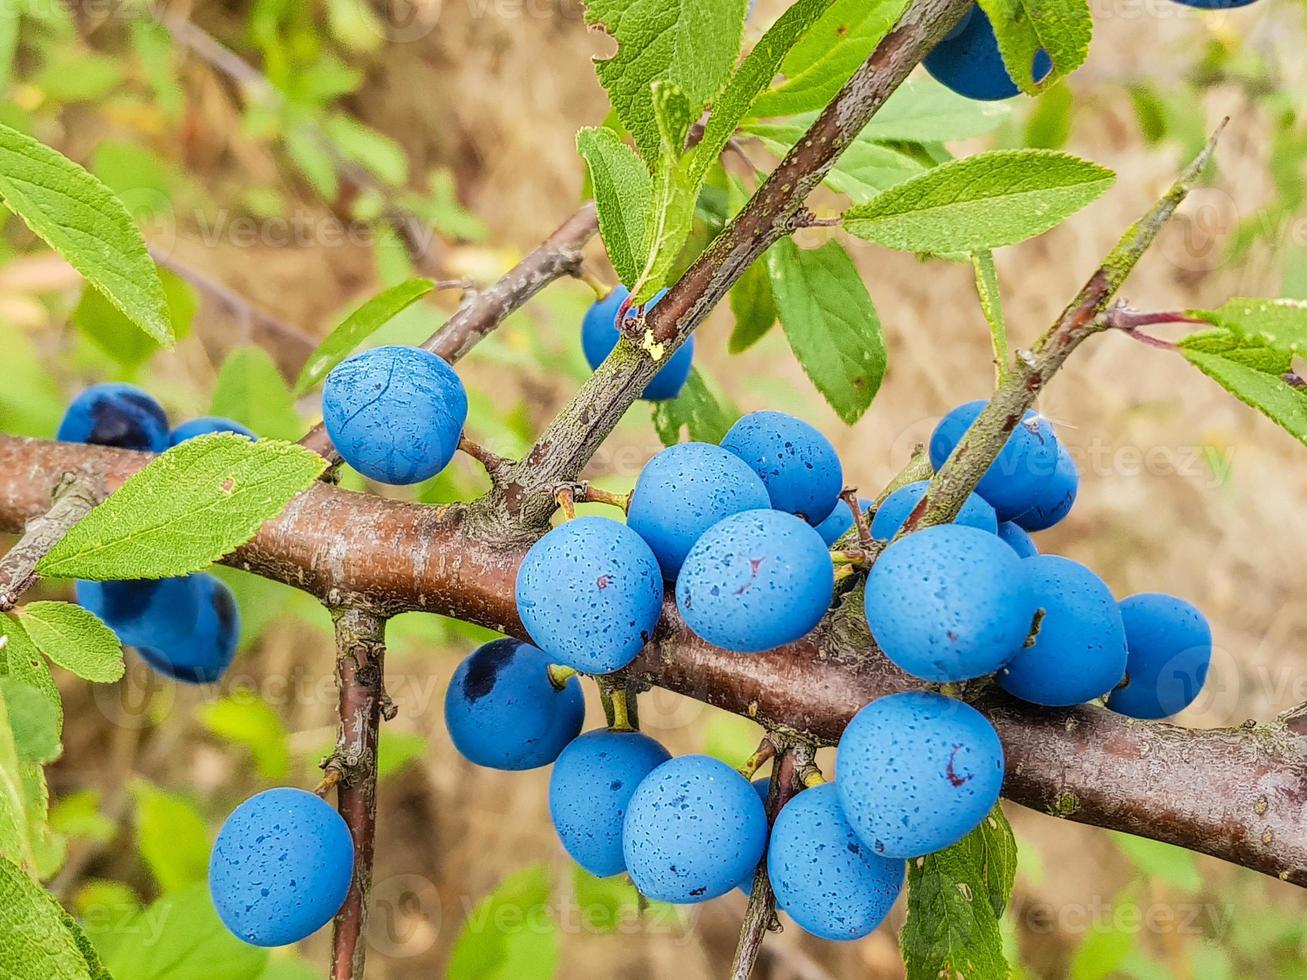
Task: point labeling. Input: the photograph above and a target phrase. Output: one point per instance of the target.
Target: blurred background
(288, 158)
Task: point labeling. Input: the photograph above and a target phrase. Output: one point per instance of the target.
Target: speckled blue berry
(1215, 4)
(206, 425)
(969, 62)
(693, 830)
(797, 463)
(1170, 650)
(755, 581)
(281, 867)
(917, 772)
(949, 603)
(897, 506)
(203, 656)
(1055, 500)
(762, 787)
(395, 413)
(825, 878)
(840, 521)
(503, 711)
(599, 335)
(146, 611)
(1080, 651)
(1015, 480)
(115, 415)
(1016, 538)
(590, 593)
(589, 789)
(685, 490)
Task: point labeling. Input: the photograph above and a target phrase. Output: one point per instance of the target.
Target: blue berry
(969, 62)
(589, 790)
(599, 335)
(1055, 500)
(1170, 650)
(1080, 652)
(145, 612)
(503, 711)
(897, 506)
(797, 463)
(1015, 480)
(115, 415)
(1016, 538)
(205, 425)
(395, 414)
(590, 593)
(755, 581)
(949, 603)
(204, 656)
(281, 867)
(685, 490)
(763, 788)
(694, 829)
(1215, 4)
(825, 878)
(840, 521)
(917, 773)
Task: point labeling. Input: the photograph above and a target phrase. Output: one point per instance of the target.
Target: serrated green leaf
(32, 720)
(754, 307)
(74, 639)
(955, 898)
(1255, 373)
(1280, 323)
(864, 169)
(194, 504)
(695, 410)
(493, 944)
(671, 206)
(252, 391)
(982, 202)
(357, 327)
(1061, 28)
(830, 323)
(249, 721)
(693, 44)
(991, 304)
(751, 78)
(921, 110)
(828, 53)
(1048, 126)
(21, 659)
(15, 835)
(82, 220)
(37, 937)
(172, 837)
(622, 191)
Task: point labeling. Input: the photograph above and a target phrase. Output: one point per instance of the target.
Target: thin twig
(73, 499)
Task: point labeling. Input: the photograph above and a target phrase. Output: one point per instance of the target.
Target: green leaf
(74, 639)
(179, 937)
(991, 304)
(15, 825)
(374, 151)
(671, 205)
(509, 935)
(924, 111)
(21, 659)
(864, 170)
(754, 307)
(1280, 323)
(78, 815)
(37, 937)
(111, 331)
(249, 721)
(33, 721)
(81, 219)
(696, 410)
(751, 78)
(622, 191)
(194, 504)
(830, 323)
(817, 67)
(1256, 374)
(982, 202)
(1172, 864)
(1062, 28)
(693, 44)
(1049, 124)
(252, 391)
(397, 750)
(172, 837)
(357, 327)
(955, 897)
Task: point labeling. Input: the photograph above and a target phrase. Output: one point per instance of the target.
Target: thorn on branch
(495, 465)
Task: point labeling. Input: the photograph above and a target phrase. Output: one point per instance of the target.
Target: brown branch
(1236, 794)
(774, 212)
(360, 663)
(73, 497)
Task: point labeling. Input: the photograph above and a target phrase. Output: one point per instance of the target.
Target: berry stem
(566, 498)
(850, 497)
(763, 754)
(602, 290)
(559, 675)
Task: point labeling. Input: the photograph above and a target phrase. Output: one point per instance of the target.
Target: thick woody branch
(775, 211)
(73, 498)
(1236, 794)
(360, 683)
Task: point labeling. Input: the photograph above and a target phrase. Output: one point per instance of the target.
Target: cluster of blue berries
(968, 60)
(185, 628)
